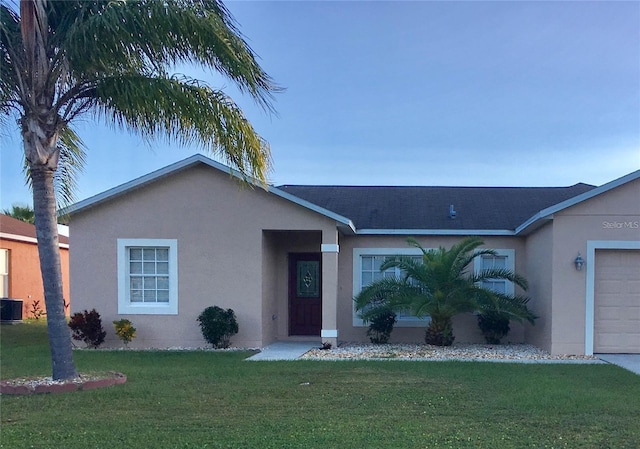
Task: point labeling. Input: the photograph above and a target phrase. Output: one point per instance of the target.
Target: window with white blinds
(148, 276)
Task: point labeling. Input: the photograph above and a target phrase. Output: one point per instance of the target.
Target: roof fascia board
(464, 232)
(189, 162)
(19, 238)
(547, 214)
(25, 239)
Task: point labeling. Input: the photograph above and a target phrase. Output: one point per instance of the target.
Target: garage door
(617, 301)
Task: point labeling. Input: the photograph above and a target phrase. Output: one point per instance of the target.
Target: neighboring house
(20, 276)
(289, 260)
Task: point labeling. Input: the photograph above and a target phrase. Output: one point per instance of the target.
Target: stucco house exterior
(20, 277)
(288, 260)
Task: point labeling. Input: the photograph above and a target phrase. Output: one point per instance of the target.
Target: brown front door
(305, 294)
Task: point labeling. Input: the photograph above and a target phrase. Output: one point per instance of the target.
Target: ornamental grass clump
(125, 331)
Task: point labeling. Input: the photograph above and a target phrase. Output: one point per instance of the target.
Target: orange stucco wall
(25, 281)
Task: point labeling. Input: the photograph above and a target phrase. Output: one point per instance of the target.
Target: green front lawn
(218, 400)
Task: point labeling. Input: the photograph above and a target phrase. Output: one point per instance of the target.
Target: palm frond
(464, 252)
(513, 307)
(71, 165)
(499, 273)
(9, 46)
(187, 112)
(118, 37)
(377, 293)
(411, 267)
(389, 293)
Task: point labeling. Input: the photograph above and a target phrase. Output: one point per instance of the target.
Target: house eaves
(20, 231)
(546, 215)
(25, 239)
(343, 223)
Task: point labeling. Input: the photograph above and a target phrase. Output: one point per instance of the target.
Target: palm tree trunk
(440, 331)
(44, 205)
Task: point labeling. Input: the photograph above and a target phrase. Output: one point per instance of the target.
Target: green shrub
(87, 326)
(381, 326)
(125, 330)
(218, 325)
(494, 326)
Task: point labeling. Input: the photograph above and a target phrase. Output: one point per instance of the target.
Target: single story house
(20, 277)
(289, 260)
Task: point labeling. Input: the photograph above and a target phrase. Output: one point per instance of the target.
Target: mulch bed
(40, 385)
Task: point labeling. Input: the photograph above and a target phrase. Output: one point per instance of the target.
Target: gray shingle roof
(427, 208)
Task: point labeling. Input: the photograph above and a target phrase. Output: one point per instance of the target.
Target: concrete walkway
(626, 361)
(291, 350)
(284, 350)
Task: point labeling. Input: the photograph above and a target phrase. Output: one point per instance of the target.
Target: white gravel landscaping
(464, 352)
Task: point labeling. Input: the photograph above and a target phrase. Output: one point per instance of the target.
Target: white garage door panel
(617, 301)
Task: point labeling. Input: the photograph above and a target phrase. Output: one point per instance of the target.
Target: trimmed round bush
(218, 326)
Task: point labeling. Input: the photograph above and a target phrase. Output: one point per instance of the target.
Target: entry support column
(330, 250)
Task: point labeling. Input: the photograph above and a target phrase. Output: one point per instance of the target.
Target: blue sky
(506, 93)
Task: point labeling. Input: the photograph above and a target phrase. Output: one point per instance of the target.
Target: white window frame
(510, 264)
(403, 321)
(4, 273)
(125, 306)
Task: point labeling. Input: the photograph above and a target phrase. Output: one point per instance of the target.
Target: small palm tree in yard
(441, 285)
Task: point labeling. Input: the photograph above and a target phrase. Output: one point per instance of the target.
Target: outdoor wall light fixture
(579, 262)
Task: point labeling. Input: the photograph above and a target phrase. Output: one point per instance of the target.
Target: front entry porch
(300, 278)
